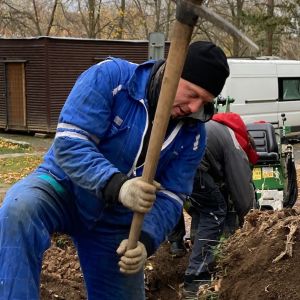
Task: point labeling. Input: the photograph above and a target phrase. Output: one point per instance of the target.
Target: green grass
(7, 147)
(217, 250)
(14, 168)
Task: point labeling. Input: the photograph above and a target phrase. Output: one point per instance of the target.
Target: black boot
(193, 282)
(177, 249)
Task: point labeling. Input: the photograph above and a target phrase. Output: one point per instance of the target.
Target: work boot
(177, 249)
(192, 284)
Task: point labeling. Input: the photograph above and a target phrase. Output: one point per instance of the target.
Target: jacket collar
(137, 85)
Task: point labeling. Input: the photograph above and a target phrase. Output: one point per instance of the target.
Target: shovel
(182, 32)
(187, 12)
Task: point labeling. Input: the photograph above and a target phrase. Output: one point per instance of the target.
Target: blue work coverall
(100, 132)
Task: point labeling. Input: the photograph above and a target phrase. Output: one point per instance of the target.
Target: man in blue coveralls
(89, 184)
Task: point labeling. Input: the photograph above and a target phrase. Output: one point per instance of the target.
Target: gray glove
(138, 195)
(132, 261)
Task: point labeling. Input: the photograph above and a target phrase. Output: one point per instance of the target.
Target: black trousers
(208, 211)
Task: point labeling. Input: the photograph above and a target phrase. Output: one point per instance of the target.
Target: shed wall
(51, 68)
(3, 107)
(67, 59)
(32, 52)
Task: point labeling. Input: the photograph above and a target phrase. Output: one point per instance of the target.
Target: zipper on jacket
(165, 144)
(134, 168)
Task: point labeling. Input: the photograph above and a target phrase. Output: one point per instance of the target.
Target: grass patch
(15, 168)
(7, 147)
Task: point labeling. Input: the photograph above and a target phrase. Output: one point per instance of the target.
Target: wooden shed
(37, 74)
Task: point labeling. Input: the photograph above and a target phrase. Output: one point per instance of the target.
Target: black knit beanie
(206, 66)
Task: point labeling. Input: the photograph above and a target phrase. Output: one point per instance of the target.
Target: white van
(265, 88)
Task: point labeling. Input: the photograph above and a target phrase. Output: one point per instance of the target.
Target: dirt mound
(61, 276)
(164, 275)
(262, 260)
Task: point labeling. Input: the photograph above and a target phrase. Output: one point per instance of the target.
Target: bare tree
(142, 12)
(30, 16)
(270, 27)
(52, 16)
(121, 19)
(273, 24)
(236, 12)
(90, 13)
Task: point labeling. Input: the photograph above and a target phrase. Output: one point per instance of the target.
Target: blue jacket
(100, 132)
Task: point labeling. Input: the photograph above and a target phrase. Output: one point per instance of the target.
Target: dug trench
(260, 261)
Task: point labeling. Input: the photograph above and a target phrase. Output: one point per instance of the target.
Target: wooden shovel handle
(174, 65)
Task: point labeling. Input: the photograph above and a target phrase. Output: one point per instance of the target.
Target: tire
(292, 187)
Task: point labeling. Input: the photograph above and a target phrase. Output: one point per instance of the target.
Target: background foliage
(272, 24)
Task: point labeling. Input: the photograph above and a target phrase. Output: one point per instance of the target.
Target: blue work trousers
(208, 220)
(32, 210)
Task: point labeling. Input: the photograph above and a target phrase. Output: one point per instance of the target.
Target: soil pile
(262, 260)
(61, 276)
(164, 275)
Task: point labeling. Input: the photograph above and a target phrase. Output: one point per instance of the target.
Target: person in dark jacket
(89, 183)
(224, 171)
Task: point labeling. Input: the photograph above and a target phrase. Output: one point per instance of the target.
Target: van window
(289, 89)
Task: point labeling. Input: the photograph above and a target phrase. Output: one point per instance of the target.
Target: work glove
(138, 195)
(133, 260)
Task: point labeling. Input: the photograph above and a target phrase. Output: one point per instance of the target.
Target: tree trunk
(52, 17)
(270, 28)
(121, 21)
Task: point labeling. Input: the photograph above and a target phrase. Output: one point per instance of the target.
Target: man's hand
(138, 195)
(132, 261)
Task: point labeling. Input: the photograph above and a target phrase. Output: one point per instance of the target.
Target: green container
(268, 177)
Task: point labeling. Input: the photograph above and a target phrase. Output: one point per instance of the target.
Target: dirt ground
(61, 275)
(260, 261)
(62, 279)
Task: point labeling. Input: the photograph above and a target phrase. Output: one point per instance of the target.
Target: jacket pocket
(115, 130)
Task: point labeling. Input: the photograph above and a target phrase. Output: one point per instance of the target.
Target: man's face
(189, 99)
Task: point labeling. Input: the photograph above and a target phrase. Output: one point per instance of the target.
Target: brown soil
(260, 261)
(164, 275)
(62, 278)
(61, 275)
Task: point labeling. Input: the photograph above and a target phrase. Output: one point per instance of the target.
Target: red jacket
(235, 122)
